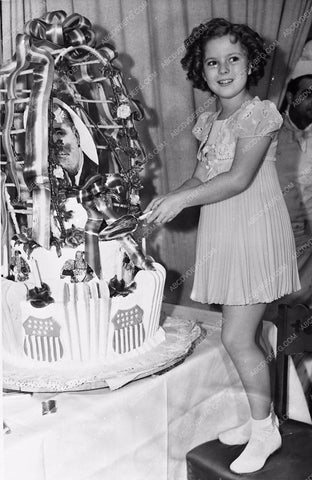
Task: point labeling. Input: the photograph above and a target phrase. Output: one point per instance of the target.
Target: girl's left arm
(249, 155)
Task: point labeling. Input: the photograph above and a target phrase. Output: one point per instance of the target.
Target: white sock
(236, 435)
(265, 439)
(241, 434)
(267, 424)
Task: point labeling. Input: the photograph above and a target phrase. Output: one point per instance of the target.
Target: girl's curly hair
(192, 61)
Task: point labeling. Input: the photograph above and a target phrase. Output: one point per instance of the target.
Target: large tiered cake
(78, 285)
(83, 322)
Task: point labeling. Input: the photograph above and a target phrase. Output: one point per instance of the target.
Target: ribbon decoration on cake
(64, 46)
(36, 165)
(123, 138)
(95, 197)
(56, 29)
(93, 187)
(22, 48)
(33, 49)
(4, 219)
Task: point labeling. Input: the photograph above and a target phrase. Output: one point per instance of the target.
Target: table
(141, 431)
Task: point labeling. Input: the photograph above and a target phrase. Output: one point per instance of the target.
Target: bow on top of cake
(68, 132)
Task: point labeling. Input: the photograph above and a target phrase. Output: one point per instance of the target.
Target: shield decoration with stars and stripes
(129, 329)
(42, 339)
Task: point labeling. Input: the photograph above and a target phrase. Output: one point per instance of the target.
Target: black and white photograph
(156, 239)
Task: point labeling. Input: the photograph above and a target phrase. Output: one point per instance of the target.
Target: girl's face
(225, 67)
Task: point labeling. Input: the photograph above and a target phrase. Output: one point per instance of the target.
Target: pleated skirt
(245, 246)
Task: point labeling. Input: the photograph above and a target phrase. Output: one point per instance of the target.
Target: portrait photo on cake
(156, 239)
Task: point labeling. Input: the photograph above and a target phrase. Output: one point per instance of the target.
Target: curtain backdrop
(148, 35)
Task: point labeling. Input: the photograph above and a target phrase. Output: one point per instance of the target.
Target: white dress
(245, 246)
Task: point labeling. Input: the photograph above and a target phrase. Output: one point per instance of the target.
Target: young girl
(245, 254)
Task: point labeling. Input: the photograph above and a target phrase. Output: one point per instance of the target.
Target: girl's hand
(165, 208)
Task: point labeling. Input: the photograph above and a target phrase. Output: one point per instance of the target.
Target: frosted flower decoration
(134, 199)
(123, 111)
(59, 115)
(58, 172)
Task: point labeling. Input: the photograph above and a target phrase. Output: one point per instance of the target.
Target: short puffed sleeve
(202, 125)
(258, 119)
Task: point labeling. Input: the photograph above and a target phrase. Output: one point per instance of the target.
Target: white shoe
(260, 446)
(236, 435)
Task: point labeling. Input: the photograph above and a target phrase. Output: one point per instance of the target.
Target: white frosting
(83, 324)
(50, 265)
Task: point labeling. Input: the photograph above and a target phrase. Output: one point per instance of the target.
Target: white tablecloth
(142, 431)
(93, 435)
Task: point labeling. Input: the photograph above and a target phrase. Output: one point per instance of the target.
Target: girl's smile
(225, 68)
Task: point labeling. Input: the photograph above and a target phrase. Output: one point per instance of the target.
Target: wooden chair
(211, 460)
